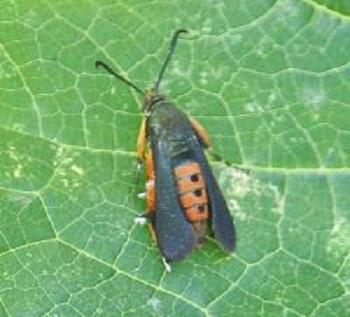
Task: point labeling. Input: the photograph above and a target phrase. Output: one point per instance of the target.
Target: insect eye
(198, 192)
(194, 178)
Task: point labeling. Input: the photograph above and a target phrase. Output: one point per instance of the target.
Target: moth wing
(175, 235)
(221, 219)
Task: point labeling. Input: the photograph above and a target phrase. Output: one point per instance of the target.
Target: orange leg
(201, 133)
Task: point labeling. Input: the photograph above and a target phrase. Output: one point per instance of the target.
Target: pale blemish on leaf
(59, 156)
(236, 38)
(77, 170)
(12, 153)
(339, 242)
(204, 78)
(207, 26)
(239, 185)
(239, 182)
(210, 74)
(178, 69)
(278, 198)
(314, 98)
(272, 97)
(17, 173)
(155, 303)
(253, 107)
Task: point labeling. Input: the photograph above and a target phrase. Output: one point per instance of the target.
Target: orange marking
(141, 141)
(149, 166)
(189, 183)
(150, 190)
(192, 191)
(187, 169)
(191, 199)
(150, 196)
(197, 213)
(200, 131)
(150, 184)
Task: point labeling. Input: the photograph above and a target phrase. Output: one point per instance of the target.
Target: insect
(184, 201)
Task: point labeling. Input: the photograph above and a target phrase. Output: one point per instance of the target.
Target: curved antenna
(170, 53)
(112, 72)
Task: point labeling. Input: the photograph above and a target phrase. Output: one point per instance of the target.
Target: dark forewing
(222, 224)
(175, 235)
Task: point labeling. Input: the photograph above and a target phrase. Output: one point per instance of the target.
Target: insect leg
(147, 217)
(144, 218)
(166, 264)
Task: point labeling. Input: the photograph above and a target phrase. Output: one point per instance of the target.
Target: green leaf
(270, 80)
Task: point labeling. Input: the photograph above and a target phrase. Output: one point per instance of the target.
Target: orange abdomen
(192, 191)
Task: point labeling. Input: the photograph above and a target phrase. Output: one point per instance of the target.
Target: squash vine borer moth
(183, 197)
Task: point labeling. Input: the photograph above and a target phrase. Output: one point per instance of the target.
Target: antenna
(112, 72)
(170, 54)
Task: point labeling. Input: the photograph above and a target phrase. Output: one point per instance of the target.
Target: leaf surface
(270, 81)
